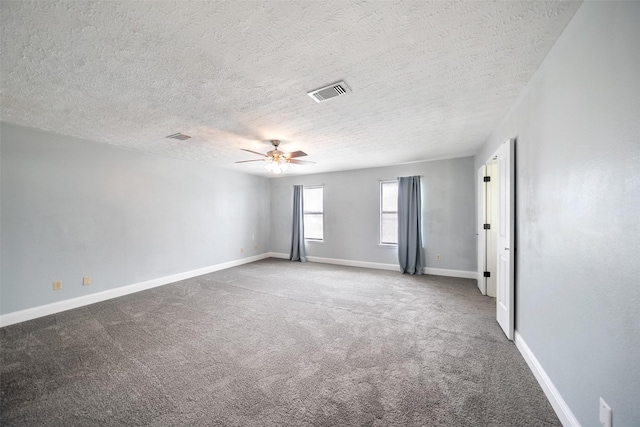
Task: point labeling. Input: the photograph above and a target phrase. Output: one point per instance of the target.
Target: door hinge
(487, 274)
(487, 226)
(487, 179)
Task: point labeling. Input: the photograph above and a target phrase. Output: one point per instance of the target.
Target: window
(389, 212)
(313, 213)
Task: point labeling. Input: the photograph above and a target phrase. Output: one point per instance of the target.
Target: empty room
(320, 213)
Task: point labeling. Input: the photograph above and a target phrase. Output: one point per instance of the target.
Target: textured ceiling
(429, 79)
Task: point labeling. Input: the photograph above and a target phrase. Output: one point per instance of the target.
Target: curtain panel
(410, 251)
(297, 252)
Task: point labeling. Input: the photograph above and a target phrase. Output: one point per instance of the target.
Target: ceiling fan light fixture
(276, 165)
(276, 161)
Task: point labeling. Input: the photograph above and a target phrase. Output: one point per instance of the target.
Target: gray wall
(73, 208)
(352, 206)
(577, 126)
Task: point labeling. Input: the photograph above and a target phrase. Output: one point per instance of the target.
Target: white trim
(382, 266)
(482, 282)
(451, 273)
(481, 234)
(352, 263)
(277, 255)
(57, 307)
(557, 402)
(336, 261)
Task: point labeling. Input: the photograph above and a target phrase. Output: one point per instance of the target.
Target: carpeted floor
(274, 343)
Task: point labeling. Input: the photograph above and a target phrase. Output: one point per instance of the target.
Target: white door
(505, 273)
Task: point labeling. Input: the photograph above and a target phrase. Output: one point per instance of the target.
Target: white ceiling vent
(179, 136)
(332, 91)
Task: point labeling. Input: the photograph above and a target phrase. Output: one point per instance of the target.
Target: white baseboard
(277, 255)
(57, 307)
(451, 273)
(557, 402)
(352, 263)
(336, 261)
(482, 283)
(382, 266)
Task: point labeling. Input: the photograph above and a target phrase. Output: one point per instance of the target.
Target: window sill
(388, 245)
(314, 240)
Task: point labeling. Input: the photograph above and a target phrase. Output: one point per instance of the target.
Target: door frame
(507, 319)
(482, 244)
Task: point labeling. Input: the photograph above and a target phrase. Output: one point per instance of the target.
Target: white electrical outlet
(605, 414)
(438, 258)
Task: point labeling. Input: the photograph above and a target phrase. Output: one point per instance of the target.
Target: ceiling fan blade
(247, 161)
(254, 152)
(302, 162)
(295, 154)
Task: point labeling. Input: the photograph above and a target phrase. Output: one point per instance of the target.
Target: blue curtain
(297, 233)
(410, 252)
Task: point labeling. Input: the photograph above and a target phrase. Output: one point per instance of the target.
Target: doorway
(491, 233)
(496, 233)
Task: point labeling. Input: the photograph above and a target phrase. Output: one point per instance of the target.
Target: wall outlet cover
(606, 418)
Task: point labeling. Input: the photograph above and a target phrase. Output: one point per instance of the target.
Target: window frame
(305, 212)
(382, 211)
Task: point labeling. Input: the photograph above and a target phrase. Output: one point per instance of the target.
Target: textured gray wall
(73, 208)
(351, 213)
(577, 126)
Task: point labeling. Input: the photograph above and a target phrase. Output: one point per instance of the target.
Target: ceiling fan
(277, 161)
